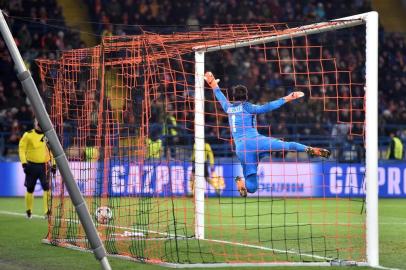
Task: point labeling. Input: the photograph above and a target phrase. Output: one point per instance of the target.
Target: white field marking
(80, 240)
(301, 224)
(19, 214)
(385, 268)
(102, 225)
(127, 233)
(272, 264)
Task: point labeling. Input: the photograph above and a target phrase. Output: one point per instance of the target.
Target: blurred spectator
(24, 36)
(154, 143)
(395, 149)
(340, 132)
(14, 137)
(3, 99)
(91, 151)
(170, 133)
(108, 30)
(113, 9)
(350, 151)
(193, 23)
(24, 114)
(319, 130)
(36, 39)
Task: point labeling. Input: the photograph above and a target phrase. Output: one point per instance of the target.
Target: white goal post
(370, 20)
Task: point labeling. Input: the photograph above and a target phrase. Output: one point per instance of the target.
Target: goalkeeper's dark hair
(239, 93)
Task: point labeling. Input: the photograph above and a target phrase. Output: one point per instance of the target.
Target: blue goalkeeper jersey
(242, 115)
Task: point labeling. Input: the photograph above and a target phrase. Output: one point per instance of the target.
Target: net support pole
(371, 138)
(199, 145)
(42, 116)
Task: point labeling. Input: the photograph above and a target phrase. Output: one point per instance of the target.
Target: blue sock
(251, 183)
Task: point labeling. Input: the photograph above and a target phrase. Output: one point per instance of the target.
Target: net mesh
(124, 112)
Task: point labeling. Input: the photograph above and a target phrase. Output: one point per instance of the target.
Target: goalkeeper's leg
(251, 180)
(248, 156)
(29, 183)
(241, 186)
(249, 186)
(278, 145)
(318, 152)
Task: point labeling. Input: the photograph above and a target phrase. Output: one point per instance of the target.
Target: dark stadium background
(43, 29)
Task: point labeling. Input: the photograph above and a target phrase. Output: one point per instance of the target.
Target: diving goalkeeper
(250, 145)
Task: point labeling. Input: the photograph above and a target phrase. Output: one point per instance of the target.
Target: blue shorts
(250, 150)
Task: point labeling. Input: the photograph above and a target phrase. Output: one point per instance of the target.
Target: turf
(21, 247)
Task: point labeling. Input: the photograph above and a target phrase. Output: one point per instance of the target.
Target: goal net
(135, 118)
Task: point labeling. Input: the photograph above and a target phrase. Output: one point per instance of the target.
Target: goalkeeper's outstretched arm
(272, 105)
(254, 109)
(213, 83)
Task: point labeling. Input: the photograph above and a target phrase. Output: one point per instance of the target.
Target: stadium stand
(30, 22)
(43, 33)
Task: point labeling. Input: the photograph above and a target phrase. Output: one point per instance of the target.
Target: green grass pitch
(21, 247)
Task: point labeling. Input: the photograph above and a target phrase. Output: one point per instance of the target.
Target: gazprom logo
(346, 180)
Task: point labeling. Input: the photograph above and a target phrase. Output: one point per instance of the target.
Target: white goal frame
(370, 20)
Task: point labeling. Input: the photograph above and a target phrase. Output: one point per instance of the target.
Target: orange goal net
(125, 112)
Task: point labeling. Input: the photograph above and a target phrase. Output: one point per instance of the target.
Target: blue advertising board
(348, 180)
(275, 179)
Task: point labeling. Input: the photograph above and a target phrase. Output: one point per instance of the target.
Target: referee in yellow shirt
(154, 143)
(35, 157)
(208, 167)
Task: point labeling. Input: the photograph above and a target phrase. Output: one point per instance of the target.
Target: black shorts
(35, 171)
(206, 169)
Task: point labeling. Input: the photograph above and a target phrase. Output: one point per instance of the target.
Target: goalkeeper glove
(293, 96)
(211, 81)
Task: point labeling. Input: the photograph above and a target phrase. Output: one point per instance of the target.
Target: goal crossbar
(300, 31)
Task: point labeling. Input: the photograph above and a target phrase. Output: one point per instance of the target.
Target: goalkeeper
(250, 145)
